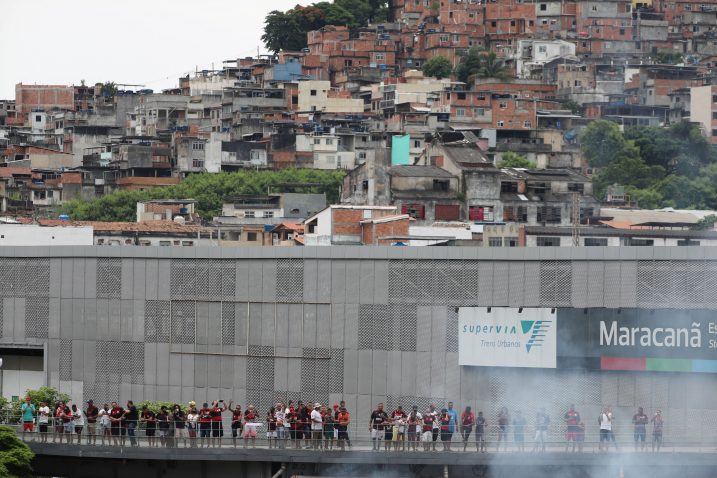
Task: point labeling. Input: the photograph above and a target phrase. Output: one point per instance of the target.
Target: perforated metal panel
(1, 317)
(290, 280)
(65, 359)
(556, 279)
(424, 282)
(679, 284)
(387, 327)
(121, 362)
(452, 330)
(157, 320)
(336, 382)
(228, 323)
(37, 317)
(109, 278)
(259, 371)
(184, 322)
(24, 277)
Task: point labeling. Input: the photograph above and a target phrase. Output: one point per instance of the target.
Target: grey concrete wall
(363, 324)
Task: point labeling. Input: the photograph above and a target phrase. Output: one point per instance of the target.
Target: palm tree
(492, 67)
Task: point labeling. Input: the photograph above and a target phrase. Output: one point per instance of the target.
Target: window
(500, 124)
(197, 146)
(512, 23)
(548, 241)
(456, 38)
(493, 24)
(317, 140)
(622, 31)
(251, 236)
(714, 98)
(268, 213)
(510, 242)
(526, 124)
(542, 49)
(329, 141)
(187, 243)
(631, 241)
(416, 143)
(594, 8)
(515, 213)
(197, 163)
(461, 95)
(444, 38)
(249, 214)
(313, 92)
(595, 241)
(460, 111)
(416, 211)
(495, 242)
(38, 118)
(503, 105)
(714, 132)
(543, 7)
(480, 213)
(687, 242)
(549, 214)
(165, 243)
(714, 114)
(380, 56)
(255, 154)
(576, 187)
(478, 111)
(441, 185)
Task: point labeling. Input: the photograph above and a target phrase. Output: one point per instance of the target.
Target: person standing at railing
(342, 406)
(116, 414)
(163, 426)
(105, 423)
(446, 435)
(205, 425)
(329, 427)
(250, 425)
(316, 426)
(43, 418)
(91, 415)
(59, 427)
(519, 423)
(236, 426)
(580, 436)
(427, 432)
(658, 424)
(67, 424)
(398, 434)
(217, 429)
(78, 420)
(280, 419)
(503, 422)
(606, 431)
(414, 421)
(271, 434)
(131, 417)
(192, 424)
(454, 420)
(149, 419)
(572, 419)
(480, 432)
(28, 416)
(468, 419)
(343, 419)
(435, 424)
(639, 421)
(542, 421)
(376, 426)
(180, 425)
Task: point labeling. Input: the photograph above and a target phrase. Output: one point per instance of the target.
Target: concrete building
(703, 110)
(42, 98)
(362, 325)
(317, 96)
(345, 224)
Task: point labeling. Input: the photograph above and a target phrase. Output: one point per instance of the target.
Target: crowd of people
(315, 426)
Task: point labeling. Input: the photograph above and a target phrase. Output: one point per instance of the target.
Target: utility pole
(576, 219)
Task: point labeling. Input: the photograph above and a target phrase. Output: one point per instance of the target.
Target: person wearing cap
(28, 416)
(317, 426)
(91, 413)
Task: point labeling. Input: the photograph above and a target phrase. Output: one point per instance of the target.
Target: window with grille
(548, 241)
(495, 242)
(595, 241)
(549, 214)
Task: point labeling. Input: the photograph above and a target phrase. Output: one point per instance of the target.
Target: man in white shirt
(606, 433)
(316, 425)
(43, 419)
(280, 416)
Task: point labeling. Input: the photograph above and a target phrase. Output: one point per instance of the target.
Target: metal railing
(359, 438)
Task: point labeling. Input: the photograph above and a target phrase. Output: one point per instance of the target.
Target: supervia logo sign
(507, 337)
(538, 330)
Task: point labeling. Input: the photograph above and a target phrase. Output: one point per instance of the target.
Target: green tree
(48, 395)
(283, 31)
(514, 160)
(602, 143)
(438, 66)
(707, 222)
(574, 107)
(477, 63)
(109, 88)
(15, 456)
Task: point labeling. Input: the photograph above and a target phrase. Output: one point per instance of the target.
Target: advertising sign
(667, 340)
(507, 337)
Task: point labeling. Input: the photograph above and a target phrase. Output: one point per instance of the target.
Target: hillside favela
(408, 238)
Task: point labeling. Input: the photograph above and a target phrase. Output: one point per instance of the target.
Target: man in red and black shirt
(116, 429)
(378, 420)
(572, 421)
(91, 414)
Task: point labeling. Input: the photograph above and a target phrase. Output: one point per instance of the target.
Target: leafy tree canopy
(209, 189)
(515, 160)
(48, 395)
(659, 167)
(15, 456)
(477, 63)
(438, 66)
(287, 30)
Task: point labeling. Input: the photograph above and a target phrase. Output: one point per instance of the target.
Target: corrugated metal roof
(419, 172)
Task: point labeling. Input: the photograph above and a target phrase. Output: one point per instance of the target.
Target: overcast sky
(149, 42)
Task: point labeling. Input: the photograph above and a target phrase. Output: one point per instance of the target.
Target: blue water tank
(64, 217)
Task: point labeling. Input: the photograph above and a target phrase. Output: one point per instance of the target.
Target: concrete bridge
(80, 461)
